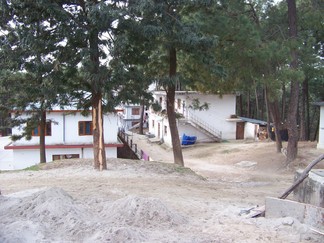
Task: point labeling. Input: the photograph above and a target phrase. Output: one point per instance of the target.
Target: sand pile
(51, 214)
(40, 213)
(142, 212)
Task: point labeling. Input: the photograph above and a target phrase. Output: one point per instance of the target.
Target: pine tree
(31, 77)
(174, 37)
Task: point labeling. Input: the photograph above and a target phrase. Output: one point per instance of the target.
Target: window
(134, 123)
(65, 156)
(135, 111)
(179, 104)
(152, 123)
(48, 130)
(85, 128)
(165, 130)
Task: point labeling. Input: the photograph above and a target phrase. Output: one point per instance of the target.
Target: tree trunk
(275, 114)
(99, 151)
(170, 92)
(141, 118)
(302, 115)
(283, 100)
(306, 102)
(292, 148)
(240, 100)
(267, 106)
(256, 101)
(248, 109)
(42, 127)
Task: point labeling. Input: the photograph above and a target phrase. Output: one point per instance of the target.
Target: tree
(91, 28)
(293, 137)
(31, 77)
(175, 36)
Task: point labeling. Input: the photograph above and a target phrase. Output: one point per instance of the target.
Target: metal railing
(204, 126)
(127, 139)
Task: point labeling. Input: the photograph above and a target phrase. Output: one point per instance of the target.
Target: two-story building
(129, 116)
(206, 116)
(68, 135)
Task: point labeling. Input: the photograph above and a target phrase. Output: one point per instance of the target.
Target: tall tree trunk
(170, 92)
(308, 126)
(275, 114)
(256, 101)
(99, 151)
(283, 102)
(141, 118)
(292, 148)
(248, 113)
(42, 127)
(267, 106)
(240, 100)
(304, 113)
(302, 116)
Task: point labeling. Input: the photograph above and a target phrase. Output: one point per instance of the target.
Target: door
(240, 130)
(159, 130)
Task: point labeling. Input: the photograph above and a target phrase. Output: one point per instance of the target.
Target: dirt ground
(138, 201)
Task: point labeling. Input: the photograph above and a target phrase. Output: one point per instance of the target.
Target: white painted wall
(128, 112)
(65, 129)
(6, 156)
(320, 143)
(189, 130)
(250, 130)
(24, 158)
(220, 109)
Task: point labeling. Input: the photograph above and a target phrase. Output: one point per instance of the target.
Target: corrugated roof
(254, 121)
(320, 103)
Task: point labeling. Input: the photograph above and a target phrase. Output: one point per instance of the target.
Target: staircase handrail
(209, 128)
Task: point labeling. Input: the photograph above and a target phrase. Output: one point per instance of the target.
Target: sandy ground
(138, 201)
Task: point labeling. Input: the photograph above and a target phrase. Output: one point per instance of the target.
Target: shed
(320, 144)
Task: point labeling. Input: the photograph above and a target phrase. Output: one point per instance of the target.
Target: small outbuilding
(320, 143)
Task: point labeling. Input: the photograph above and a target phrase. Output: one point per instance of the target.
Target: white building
(210, 124)
(68, 135)
(320, 143)
(129, 116)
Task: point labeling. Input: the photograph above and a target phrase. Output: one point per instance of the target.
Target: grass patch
(32, 168)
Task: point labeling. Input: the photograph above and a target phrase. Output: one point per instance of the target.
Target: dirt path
(137, 201)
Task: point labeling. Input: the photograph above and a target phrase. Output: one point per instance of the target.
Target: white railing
(204, 125)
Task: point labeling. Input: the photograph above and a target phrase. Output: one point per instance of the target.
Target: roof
(254, 121)
(319, 103)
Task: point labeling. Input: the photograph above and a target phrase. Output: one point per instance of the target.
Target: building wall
(250, 130)
(320, 143)
(65, 129)
(24, 158)
(64, 132)
(219, 110)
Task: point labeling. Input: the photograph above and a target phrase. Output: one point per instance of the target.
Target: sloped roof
(254, 121)
(319, 103)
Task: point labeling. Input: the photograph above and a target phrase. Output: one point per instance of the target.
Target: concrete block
(305, 213)
(311, 190)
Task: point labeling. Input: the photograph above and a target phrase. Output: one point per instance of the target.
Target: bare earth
(137, 201)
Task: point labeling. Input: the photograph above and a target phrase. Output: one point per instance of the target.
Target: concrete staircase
(204, 127)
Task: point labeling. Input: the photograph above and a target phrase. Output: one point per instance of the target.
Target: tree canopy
(97, 54)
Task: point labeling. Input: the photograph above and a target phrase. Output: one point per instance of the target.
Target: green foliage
(32, 168)
(156, 106)
(195, 105)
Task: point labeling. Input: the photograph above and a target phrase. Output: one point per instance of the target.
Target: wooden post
(302, 176)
